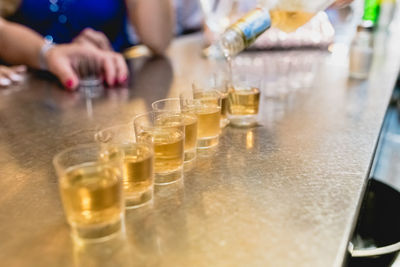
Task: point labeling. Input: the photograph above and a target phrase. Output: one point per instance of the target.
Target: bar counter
(284, 193)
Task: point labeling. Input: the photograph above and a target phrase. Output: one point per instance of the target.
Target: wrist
(43, 53)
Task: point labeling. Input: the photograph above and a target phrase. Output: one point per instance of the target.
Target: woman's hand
(62, 60)
(10, 75)
(93, 38)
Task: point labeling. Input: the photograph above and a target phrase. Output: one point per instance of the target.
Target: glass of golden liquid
(223, 90)
(207, 105)
(166, 131)
(137, 175)
(217, 82)
(244, 100)
(90, 182)
(189, 119)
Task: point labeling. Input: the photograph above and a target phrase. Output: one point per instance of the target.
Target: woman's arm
(20, 45)
(154, 22)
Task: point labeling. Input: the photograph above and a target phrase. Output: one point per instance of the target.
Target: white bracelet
(42, 55)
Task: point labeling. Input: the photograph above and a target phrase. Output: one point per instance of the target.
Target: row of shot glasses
(98, 181)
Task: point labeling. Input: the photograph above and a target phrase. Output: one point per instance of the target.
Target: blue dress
(62, 20)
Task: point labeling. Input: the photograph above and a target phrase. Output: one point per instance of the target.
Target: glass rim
(194, 103)
(57, 158)
(141, 115)
(150, 126)
(164, 100)
(186, 105)
(207, 92)
(122, 125)
(245, 88)
(216, 95)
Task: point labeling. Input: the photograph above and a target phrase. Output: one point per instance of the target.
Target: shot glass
(138, 169)
(208, 110)
(167, 133)
(90, 184)
(243, 100)
(189, 119)
(217, 82)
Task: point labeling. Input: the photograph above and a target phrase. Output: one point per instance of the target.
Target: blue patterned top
(62, 20)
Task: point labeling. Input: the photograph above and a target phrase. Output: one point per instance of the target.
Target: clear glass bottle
(361, 51)
(244, 32)
(286, 15)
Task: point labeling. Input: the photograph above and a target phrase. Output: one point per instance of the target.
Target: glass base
(206, 153)
(140, 199)
(190, 155)
(189, 165)
(243, 120)
(224, 122)
(207, 142)
(98, 232)
(168, 178)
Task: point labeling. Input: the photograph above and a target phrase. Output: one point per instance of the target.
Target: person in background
(96, 25)
(189, 16)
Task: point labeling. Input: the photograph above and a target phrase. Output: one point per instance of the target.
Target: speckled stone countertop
(284, 193)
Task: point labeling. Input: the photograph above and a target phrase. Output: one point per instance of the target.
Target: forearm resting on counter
(19, 45)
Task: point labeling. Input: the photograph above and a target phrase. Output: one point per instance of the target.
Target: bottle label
(253, 24)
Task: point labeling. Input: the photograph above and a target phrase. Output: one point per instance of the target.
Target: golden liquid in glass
(91, 194)
(289, 21)
(168, 148)
(170, 120)
(137, 168)
(190, 121)
(208, 121)
(244, 101)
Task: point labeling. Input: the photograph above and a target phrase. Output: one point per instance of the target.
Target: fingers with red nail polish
(61, 58)
(123, 79)
(69, 84)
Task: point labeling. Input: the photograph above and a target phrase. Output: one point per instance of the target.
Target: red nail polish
(69, 83)
(123, 79)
